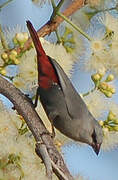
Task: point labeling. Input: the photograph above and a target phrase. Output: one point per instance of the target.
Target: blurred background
(80, 159)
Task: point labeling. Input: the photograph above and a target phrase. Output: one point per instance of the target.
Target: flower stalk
(74, 26)
(56, 8)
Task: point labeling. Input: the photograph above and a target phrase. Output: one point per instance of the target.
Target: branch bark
(35, 124)
(41, 151)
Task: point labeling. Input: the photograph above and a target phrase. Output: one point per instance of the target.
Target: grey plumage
(69, 113)
(62, 104)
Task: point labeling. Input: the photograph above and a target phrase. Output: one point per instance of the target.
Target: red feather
(46, 72)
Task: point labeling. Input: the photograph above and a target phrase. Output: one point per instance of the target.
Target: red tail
(46, 72)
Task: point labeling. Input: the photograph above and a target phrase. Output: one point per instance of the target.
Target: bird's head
(96, 138)
(95, 143)
(92, 134)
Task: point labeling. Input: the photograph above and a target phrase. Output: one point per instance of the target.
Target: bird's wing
(73, 100)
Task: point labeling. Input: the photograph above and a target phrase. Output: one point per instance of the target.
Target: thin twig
(56, 8)
(53, 4)
(49, 162)
(56, 12)
(41, 148)
(60, 172)
(58, 37)
(92, 90)
(74, 26)
(59, 5)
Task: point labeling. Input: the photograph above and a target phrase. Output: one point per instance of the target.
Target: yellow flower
(20, 37)
(103, 85)
(108, 94)
(102, 71)
(110, 77)
(96, 77)
(99, 55)
(10, 33)
(112, 90)
(16, 61)
(3, 71)
(111, 116)
(97, 45)
(4, 56)
(14, 52)
(12, 57)
(101, 122)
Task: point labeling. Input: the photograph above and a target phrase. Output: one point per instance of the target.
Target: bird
(63, 106)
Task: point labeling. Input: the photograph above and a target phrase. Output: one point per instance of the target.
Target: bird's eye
(94, 137)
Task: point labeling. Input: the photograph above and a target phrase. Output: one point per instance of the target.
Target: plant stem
(53, 4)
(74, 26)
(59, 5)
(86, 94)
(58, 37)
(3, 41)
(4, 4)
(56, 8)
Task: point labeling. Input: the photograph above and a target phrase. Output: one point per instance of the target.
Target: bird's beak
(96, 148)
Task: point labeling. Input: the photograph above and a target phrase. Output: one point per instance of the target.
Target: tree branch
(41, 151)
(52, 25)
(35, 124)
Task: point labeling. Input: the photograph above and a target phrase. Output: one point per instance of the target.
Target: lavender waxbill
(62, 104)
